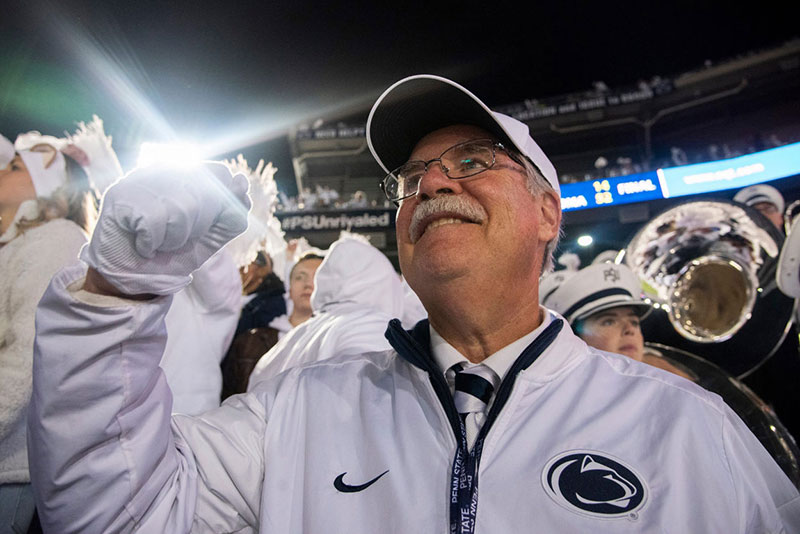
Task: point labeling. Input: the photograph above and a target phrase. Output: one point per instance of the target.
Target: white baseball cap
(756, 194)
(595, 288)
(551, 281)
(418, 105)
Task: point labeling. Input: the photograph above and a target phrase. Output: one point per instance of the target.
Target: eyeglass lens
(459, 161)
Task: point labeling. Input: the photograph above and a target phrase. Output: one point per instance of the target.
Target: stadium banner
(563, 105)
(335, 220)
(340, 131)
(525, 110)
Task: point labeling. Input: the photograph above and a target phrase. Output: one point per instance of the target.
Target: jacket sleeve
(217, 286)
(105, 454)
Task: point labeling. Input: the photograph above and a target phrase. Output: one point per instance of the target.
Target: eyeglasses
(463, 160)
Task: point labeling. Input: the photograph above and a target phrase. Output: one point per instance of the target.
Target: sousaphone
(753, 411)
(709, 269)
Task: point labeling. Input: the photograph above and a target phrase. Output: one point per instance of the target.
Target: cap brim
(418, 105)
(640, 308)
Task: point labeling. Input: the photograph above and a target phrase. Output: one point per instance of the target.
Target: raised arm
(105, 454)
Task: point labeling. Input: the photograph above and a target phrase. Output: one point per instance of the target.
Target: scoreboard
(733, 173)
(611, 191)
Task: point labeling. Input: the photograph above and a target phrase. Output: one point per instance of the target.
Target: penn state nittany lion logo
(594, 483)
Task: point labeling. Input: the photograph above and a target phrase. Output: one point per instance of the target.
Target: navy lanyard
(464, 486)
(413, 346)
(464, 481)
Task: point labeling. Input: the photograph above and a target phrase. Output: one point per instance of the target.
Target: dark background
(236, 76)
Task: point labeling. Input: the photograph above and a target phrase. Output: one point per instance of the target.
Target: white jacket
(107, 457)
(27, 262)
(356, 293)
(201, 323)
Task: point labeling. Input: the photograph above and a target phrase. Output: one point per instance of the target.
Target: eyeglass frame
(495, 145)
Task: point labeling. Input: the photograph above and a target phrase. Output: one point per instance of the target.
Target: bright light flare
(173, 154)
(585, 240)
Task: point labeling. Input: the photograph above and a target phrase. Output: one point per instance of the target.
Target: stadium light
(585, 240)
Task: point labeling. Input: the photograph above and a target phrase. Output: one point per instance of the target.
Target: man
(766, 199)
(573, 441)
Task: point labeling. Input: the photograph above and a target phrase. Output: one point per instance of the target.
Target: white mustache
(447, 205)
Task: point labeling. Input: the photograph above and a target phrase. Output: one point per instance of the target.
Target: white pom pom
(263, 228)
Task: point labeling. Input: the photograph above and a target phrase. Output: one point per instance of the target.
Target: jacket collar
(414, 345)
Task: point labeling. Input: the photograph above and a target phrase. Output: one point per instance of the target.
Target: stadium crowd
(324, 197)
(172, 364)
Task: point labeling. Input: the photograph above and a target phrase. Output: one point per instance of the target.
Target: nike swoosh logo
(340, 485)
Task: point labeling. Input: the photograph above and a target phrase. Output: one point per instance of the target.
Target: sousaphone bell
(709, 267)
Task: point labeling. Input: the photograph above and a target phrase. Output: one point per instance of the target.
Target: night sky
(236, 76)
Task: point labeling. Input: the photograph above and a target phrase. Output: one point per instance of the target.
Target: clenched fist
(160, 223)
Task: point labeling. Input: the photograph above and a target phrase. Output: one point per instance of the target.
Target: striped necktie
(474, 386)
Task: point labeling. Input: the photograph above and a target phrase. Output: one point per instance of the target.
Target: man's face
(770, 211)
(490, 227)
(614, 330)
(301, 283)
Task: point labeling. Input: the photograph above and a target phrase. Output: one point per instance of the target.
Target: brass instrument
(755, 413)
(708, 267)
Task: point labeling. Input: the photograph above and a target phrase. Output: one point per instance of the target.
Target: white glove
(160, 223)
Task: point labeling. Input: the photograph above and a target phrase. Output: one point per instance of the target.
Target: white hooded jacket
(366, 443)
(201, 323)
(356, 293)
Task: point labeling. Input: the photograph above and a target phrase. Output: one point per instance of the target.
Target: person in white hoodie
(356, 293)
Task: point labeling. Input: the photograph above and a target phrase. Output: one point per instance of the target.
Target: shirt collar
(500, 362)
